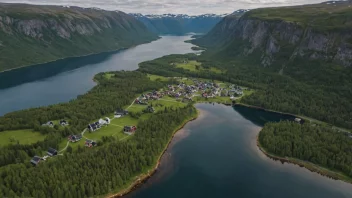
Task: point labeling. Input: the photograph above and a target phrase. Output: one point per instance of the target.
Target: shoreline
(79, 56)
(68, 57)
(303, 118)
(268, 110)
(308, 165)
(145, 176)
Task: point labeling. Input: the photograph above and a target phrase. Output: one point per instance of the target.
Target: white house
(107, 120)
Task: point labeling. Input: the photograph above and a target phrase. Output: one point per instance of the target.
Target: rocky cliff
(31, 34)
(277, 35)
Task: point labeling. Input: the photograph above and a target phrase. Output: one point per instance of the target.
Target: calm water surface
(216, 156)
(63, 80)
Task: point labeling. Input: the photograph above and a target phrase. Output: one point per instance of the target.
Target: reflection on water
(219, 158)
(63, 80)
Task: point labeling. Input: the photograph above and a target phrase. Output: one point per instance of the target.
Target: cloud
(191, 7)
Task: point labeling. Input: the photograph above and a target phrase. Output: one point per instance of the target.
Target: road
(68, 142)
(85, 130)
(131, 103)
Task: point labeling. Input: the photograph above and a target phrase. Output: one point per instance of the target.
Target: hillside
(299, 57)
(31, 34)
(179, 24)
(275, 36)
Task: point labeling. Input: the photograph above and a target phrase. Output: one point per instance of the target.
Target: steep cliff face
(273, 38)
(179, 24)
(315, 32)
(31, 34)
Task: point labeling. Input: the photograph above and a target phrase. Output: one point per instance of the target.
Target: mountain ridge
(178, 24)
(317, 32)
(33, 34)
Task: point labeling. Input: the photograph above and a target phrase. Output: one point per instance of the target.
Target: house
(120, 113)
(74, 138)
(92, 127)
(129, 129)
(49, 124)
(35, 160)
(63, 123)
(90, 143)
(51, 152)
(149, 109)
(298, 120)
(107, 120)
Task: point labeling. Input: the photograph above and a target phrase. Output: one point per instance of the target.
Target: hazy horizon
(196, 7)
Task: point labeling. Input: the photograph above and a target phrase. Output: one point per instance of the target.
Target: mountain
(274, 37)
(179, 24)
(221, 34)
(32, 34)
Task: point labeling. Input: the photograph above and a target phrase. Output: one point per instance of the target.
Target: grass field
(22, 136)
(108, 75)
(195, 66)
(156, 77)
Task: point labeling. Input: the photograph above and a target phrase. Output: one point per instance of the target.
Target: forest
(87, 172)
(311, 89)
(105, 169)
(109, 95)
(317, 144)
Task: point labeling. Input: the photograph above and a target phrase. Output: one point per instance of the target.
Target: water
(216, 156)
(63, 80)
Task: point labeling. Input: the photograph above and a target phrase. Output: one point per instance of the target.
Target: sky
(191, 7)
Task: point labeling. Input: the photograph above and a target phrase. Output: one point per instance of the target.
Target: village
(122, 124)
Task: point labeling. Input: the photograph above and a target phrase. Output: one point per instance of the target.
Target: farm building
(35, 160)
(52, 152)
(129, 129)
(74, 138)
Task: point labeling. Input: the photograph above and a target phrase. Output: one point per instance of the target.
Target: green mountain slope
(31, 34)
(301, 55)
(276, 36)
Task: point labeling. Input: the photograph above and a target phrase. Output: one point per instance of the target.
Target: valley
(262, 91)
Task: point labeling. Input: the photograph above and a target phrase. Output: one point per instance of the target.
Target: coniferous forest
(320, 145)
(324, 95)
(87, 172)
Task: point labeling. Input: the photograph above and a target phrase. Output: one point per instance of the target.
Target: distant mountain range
(179, 24)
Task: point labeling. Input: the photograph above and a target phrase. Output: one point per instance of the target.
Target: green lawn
(108, 75)
(22, 136)
(216, 99)
(110, 130)
(156, 77)
(196, 66)
(190, 65)
(125, 120)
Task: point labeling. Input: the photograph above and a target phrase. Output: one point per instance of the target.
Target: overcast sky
(191, 7)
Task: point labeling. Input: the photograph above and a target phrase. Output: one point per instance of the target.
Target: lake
(63, 80)
(216, 156)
